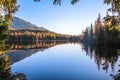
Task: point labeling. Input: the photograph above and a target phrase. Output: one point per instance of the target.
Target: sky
(65, 19)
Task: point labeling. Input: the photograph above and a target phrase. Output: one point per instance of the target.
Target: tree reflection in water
(5, 70)
(104, 57)
(5, 73)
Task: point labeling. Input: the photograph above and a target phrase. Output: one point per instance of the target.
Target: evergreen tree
(91, 33)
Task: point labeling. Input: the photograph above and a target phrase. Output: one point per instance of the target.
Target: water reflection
(5, 69)
(24, 50)
(104, 57)
(37, 45)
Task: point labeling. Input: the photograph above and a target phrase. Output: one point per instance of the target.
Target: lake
(68, 61)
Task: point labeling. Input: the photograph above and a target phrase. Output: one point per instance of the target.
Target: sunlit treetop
(7, 8)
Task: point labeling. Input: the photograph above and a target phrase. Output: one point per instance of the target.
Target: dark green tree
(91, 33)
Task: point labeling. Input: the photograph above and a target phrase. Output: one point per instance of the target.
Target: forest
(105, 31)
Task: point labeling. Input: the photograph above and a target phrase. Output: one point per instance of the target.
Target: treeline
(103, 33)
(36, 36)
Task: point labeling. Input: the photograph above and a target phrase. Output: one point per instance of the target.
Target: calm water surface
(65, 62)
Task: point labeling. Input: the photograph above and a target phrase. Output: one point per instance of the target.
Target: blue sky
(67, 18)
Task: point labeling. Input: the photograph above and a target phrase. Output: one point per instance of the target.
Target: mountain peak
(19, 23)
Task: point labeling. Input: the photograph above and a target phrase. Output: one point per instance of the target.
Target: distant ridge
(18, 23)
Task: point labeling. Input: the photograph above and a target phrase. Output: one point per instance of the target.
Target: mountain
(18, 23)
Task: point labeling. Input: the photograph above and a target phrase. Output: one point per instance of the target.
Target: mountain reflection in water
(105, 58)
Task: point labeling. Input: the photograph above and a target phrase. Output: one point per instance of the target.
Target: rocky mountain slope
(18, 23)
